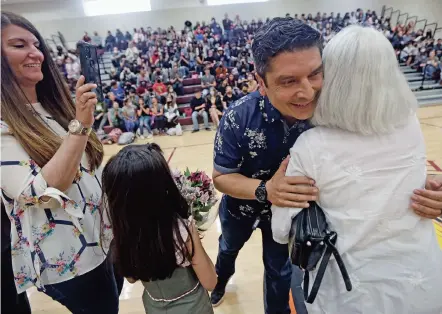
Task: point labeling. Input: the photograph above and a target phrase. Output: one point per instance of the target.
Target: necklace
(39, 115)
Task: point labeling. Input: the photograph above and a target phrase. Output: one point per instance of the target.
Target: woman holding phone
(51, 172)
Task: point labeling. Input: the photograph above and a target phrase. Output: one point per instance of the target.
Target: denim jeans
(130, 125)
(145, 123)
(297, 292)
(184, 71)
(205, 116)
(278, 271)
(91, 293)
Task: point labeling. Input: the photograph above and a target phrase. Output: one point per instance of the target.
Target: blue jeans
(130, 125)
(145, 123)
(205, 116)
(91, 293)
(184, 71)
(297, 292)
(278, 271)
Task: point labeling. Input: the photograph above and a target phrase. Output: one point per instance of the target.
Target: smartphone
(90, 67)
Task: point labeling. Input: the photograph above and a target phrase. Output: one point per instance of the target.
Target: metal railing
(418, 21)
(411, 18)
(399, 17)
(434, 31)
(399, 14)
(50, 42)
(384, 11)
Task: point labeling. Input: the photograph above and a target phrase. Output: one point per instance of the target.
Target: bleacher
(190, 86)
(428, 92)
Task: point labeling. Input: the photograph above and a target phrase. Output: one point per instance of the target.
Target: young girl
(156, 241)
(129, 112)
(216, 106)
(145, 118)
(158, 120)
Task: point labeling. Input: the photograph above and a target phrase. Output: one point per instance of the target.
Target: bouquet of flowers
(199, 192)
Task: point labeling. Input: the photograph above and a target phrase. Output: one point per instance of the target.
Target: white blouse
(51, 241)
(365, 187)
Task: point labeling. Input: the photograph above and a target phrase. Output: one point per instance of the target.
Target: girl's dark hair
(144, 207)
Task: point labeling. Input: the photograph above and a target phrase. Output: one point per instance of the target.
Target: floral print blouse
(56, 240)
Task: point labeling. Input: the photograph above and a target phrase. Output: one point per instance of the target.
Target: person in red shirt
(141, 89)
(159, 87)
(155, 58)
(86, 38)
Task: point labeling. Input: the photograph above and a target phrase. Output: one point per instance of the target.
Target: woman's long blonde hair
(33, 134)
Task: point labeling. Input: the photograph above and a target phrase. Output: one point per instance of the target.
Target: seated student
(118, 91)
(229, 97)
(158, 120)
(222, 83)
(207, 80)
(244, 91)
(99, 114)
(145, 118)
(215, 106)
(115, 117)
(251, 83)
(171, 113)
(159, 87)
(129, 113)
(176, 79)
(198, 105)
(156, 241)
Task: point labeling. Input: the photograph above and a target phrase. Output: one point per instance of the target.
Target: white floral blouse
(56, 240)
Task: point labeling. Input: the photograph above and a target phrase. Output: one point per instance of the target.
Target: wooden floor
(244, 292)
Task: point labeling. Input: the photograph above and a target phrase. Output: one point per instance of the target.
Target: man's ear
(262, 85)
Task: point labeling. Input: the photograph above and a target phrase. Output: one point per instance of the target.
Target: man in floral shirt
(251, 146)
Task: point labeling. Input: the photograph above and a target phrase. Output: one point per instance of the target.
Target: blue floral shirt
(253, 139)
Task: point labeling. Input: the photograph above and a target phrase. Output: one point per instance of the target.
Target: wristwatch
(261, 192)
(75, 127)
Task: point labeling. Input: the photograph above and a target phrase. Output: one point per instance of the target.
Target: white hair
(364, 90)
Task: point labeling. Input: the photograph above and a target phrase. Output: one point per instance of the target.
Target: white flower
(257, 139)
(218, 142)
(416, 279)
(253, 154)
(354, 173)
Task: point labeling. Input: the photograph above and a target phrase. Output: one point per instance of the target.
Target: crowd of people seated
(149, 66)
(419, 52)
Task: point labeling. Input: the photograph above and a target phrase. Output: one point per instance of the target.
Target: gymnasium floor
(244, 292)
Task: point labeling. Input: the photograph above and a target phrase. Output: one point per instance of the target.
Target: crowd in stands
(149, 66)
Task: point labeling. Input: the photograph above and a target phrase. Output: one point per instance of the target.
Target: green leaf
(187, 172)
(198, 217)
(205, 209)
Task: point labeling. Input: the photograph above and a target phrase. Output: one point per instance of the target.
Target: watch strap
(261, 192)
(85, 131)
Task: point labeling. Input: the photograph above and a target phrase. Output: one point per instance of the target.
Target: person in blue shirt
(118, 91)
(250, 157)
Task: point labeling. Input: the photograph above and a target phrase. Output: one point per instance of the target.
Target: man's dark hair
(282, 35)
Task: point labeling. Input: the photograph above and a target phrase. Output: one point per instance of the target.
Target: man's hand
(293, 192)
(428, 203)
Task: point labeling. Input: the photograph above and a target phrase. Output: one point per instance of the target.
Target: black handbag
(310, 241)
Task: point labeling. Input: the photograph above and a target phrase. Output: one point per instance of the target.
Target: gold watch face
(74, 126)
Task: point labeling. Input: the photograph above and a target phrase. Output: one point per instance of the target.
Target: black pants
(11, 301)
(94, 292)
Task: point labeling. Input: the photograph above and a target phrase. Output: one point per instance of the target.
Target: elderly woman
(367, 157)
(51, 177)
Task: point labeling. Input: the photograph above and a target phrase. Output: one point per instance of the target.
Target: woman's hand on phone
(85, 101)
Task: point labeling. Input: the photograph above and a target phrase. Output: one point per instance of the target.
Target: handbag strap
(331, 249)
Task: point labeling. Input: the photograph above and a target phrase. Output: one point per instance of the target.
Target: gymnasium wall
(67, 16)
